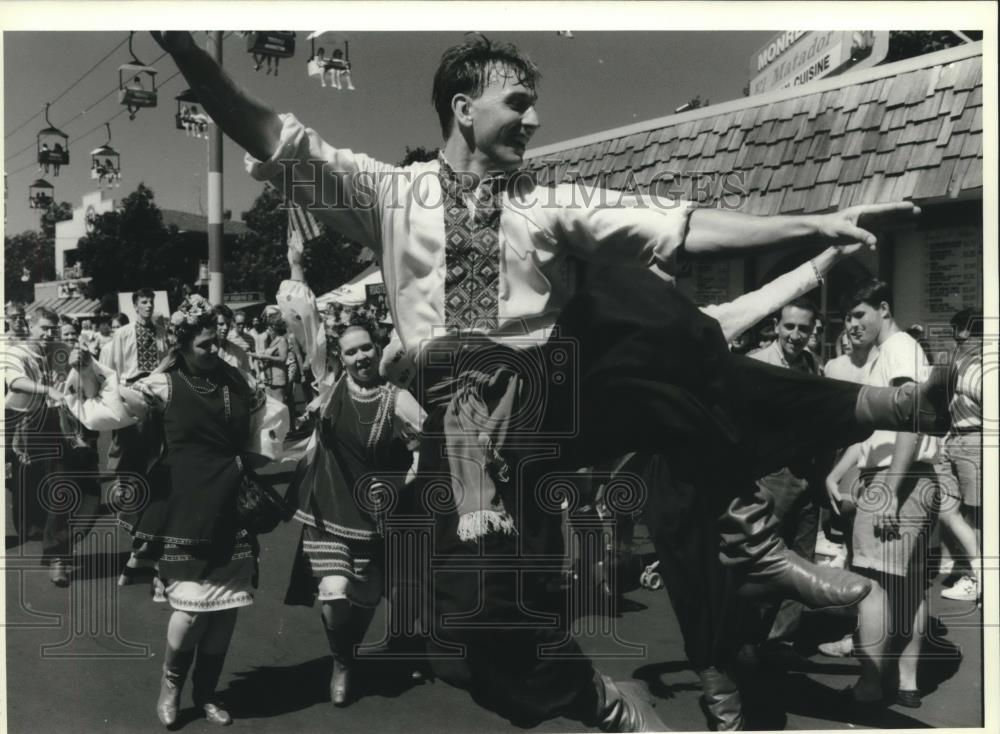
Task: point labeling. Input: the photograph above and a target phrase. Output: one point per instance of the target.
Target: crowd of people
(741, 457)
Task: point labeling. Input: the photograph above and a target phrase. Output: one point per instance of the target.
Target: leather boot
(176, 664)
(207, 670)
(361, 619)
(911, 408)
(624, 707)
(769, 570)
(341, 641)
(721, 700)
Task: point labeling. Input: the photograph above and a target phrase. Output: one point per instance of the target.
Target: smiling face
(794, 327)
(67, 333)
(500, 122)
(359, 355)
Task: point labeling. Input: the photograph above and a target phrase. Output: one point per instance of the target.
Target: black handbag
(260, 508)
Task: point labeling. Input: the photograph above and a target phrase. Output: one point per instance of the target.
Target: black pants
(77, 497)
(634, 367)
(681, 520)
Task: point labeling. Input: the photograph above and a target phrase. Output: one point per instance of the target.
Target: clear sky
(594, 81)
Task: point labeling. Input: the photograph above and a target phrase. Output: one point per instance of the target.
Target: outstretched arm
(737, 316)
(249, 122)
(717, 231)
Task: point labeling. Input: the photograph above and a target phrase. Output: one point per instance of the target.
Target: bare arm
(249, 122)
(737, 316)
(277, 352)
(848, 459)
(717, 231)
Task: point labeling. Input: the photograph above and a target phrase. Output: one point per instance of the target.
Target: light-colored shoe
(965, 589)
(841, 648)
(59, 573)
(159, 591)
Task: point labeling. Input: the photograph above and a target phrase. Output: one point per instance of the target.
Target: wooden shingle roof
(909, 130)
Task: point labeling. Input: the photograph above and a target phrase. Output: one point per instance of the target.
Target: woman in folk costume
(359, 456)
(209, 420)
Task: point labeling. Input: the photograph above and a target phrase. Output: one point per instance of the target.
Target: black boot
(911, 408)
(721, 700)
(204, 680)
(361, 619)
(341, 641)
(769, 570)
(176, 664)
(623, 707)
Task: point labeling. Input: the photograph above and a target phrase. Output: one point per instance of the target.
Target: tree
(55, 213)
(33, 254)
(131, 248)
(905, 44)
(420, 154)
(29, 253)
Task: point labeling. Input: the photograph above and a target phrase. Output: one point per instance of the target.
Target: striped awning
(73, 306)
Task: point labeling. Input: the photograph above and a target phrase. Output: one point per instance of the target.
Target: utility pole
(215, 284)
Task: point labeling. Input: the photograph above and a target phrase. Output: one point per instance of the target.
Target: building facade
(911, 130)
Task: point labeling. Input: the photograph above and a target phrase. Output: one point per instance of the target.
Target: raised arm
(298, 307)
(249, 122)
(718, 231)
(737, 316)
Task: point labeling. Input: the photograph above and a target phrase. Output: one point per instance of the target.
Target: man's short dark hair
(873, 292)
(802, 303)
(120, 318)
(466, 69)
(143, 293)
(45, 313)
(224, 311)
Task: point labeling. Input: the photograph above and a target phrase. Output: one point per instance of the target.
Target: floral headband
(193, 308)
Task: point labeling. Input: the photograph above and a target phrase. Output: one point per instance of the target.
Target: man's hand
(833, 492)
(55, 394)
(888, 522)
(850, 228)
(78, 357)
(174, 42)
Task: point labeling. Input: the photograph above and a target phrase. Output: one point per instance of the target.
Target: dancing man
(481, 266)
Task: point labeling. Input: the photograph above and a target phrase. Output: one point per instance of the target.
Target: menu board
(953, 271)
(705, 283)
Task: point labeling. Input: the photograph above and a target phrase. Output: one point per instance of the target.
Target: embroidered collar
(466, 185)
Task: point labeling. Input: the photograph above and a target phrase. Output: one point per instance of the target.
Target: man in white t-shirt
(896, 498)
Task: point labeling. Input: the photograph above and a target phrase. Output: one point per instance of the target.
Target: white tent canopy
(352, 293)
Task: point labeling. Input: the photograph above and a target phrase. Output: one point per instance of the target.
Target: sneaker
(59, 574)
(965, 589)
(841, 648)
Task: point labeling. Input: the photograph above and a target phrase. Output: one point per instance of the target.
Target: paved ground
(87, 659)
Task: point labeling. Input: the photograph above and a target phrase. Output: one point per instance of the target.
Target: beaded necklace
(201, 390)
